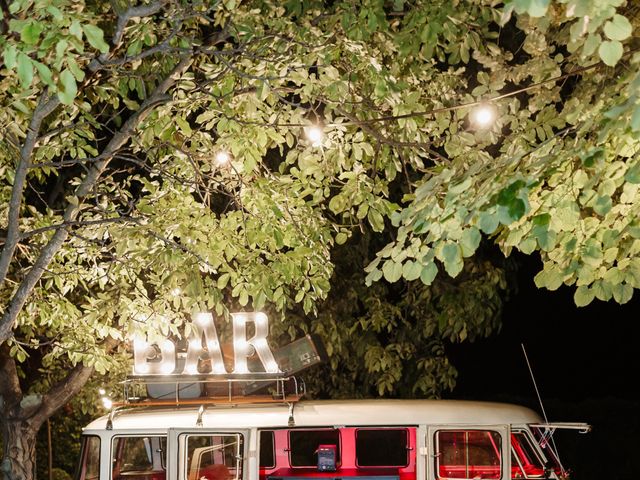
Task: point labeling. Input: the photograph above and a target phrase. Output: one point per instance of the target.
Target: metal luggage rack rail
(155, 390)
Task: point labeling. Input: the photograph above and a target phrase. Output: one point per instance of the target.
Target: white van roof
(321, 413)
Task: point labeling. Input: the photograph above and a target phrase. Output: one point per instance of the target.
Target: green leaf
(535, 8)
(429, 272)
(95, 37)
(635, 118)
(392, 271)
(602, 205)
(337, 204)
(67, 89)
(44, 73)
(30, 34)
(341, 238)
(610, 52)
(411, 270)
(550, 278)
(618, 28)
(469, 241)
(376, 220)
(488, 222)
(10, 54)
(76, 29)
(633, 174)
(55, 13)
(622, 293)
(452, 258)
(25, 70)
(583, 296)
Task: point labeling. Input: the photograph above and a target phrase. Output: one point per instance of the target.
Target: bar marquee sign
(161, 358)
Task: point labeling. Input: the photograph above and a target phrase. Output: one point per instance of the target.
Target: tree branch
(10, 391)
(64, 390)
(86, 186)
(46, 105)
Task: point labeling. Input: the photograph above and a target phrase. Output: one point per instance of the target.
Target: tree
(118, 209)
(391, 339)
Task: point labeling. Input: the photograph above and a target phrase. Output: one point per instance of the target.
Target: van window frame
(261, 446)
(82, 465)
(163, 457)
(315, 429)
(503, 432)
(381, 428)
(176, 461)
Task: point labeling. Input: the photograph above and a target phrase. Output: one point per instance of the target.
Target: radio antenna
(544, 413)
(535, 385)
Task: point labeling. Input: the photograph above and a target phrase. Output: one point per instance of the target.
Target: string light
(315, 135)
(483, 116)
(107, 403)
(222, 158)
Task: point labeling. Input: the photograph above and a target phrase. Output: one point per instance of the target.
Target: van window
(267, 453)
(138, 457)
(89, 468)
(468, 454)
(214, 457)
(382, 447)
(303, 446)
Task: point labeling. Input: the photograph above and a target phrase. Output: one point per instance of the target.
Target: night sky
(586, 364)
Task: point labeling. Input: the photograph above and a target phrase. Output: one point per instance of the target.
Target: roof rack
(176, 390)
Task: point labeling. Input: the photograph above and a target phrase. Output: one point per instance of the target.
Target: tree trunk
(19, 445)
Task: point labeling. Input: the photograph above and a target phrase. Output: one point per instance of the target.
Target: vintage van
(337, 440)
(206, 416)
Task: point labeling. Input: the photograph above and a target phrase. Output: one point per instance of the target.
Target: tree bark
(19, 442)
(22, 416)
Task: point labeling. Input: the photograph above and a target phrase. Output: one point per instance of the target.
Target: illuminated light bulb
(142, 368)
(260, 318)
(167, 368)
(241, 368)
(315, 135)
(192, 369)
(222, 158)
(176, 291)
(102, 391)
(241, 348)
(484, 115)
(218, 368)
(107, 403)
(272, 367)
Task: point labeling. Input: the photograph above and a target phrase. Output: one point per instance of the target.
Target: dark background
(585, 361)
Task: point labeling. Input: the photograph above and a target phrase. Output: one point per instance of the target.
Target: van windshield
(525, 461)
(546, 444)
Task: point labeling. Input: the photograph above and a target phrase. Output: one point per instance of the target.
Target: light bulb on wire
(483, 116)
(222, 158)
(315, 135)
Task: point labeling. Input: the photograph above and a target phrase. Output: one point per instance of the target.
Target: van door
(208, 454)
(468, 452)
